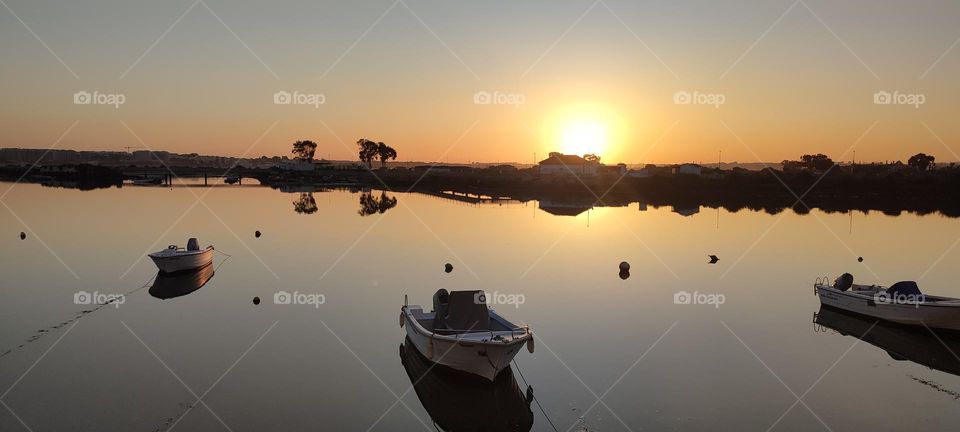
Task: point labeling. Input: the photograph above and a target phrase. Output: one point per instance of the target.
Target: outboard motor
(193, 244)
(441, 307)
(844, 282)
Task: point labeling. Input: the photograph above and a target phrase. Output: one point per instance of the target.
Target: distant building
(567, 165)
(687, 169)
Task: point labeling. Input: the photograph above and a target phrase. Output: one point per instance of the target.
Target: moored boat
(902, 302)
(174, 259)
(464, 334)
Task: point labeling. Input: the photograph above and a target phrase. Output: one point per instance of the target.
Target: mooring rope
(535, 399)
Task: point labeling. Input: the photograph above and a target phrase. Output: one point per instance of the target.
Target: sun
(581, 137)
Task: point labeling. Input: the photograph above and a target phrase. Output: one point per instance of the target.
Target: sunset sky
(575, 76)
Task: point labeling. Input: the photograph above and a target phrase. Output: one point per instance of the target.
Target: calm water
(340, 365)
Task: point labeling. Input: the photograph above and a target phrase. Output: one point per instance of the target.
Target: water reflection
(460, 402)
(305, 204)
(167, 286)
(370, 205)
(916, 344)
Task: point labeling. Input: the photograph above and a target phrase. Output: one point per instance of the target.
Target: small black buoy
(256, 300)
(624, 274)
(713, 259)
(23, 235)
(448, 267)
(624, 266)
(256, 234)
(859, 259)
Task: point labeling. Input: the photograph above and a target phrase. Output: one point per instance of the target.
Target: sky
(486, 81)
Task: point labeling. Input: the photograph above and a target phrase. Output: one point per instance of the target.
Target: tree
(385, 152)
(590, 157)
(368, 151)
(304, 150)
(921, 161)
(817, 162)
(554, 155)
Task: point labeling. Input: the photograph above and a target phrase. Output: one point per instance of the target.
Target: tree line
(304, 150)
(822, 162)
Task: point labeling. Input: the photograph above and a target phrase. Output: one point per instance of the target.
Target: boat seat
(464, 314)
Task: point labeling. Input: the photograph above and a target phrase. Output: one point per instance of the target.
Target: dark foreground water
(611, 354)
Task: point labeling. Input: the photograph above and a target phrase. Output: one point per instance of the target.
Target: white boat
(901, 303)
(174, 259)
(464, 334)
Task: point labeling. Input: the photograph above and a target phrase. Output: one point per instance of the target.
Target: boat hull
(183, 262)
(930, 314)
(485, 359)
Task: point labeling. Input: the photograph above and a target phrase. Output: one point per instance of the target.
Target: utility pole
(719, 158)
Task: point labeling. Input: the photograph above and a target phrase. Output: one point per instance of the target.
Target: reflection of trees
(305, 204)
(370, 204)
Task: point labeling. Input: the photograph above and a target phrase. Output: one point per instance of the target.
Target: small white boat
(174, 259)
(901, 303)
(464, 334)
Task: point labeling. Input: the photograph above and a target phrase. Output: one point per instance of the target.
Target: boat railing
(820, 281)
(514, 332)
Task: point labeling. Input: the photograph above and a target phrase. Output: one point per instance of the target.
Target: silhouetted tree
(921, 161)
(385, 152)
(590, 157)
(304, 150)
(305, 204)
(370, 205)
(818, 162)
(554, 155)
(368, 151)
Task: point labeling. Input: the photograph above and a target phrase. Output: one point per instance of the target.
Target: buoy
(859, 259)
(256, 300)
(530, 345)
(23, 235)
(448, 267)
(256, 234)
(624, 266)
(624, 275)
(401, 319)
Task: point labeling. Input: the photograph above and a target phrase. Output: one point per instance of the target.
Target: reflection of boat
(901, 342)
(902, 302)
(460, 402)
(464, 334)
(174, 259)
(168, 285)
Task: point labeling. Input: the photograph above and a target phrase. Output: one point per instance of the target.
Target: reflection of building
(565, 165)
(686, 211)
(564, 208)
